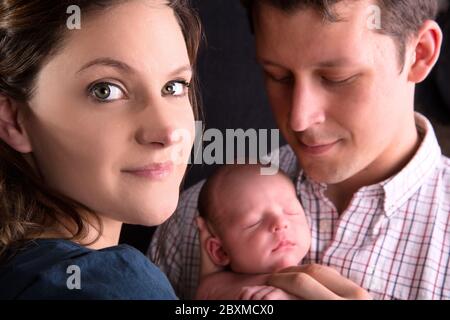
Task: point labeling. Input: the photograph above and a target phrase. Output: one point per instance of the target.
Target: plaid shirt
(393, 239)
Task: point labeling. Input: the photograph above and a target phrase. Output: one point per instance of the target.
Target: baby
(257, 227)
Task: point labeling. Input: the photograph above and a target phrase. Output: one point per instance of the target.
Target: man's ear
(216, 252)
(11, 130)
(427, 47)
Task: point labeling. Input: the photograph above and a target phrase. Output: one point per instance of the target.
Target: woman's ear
(216, 252)
(11, 130)
(426, 51)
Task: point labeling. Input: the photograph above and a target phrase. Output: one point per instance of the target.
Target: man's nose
(307, 108)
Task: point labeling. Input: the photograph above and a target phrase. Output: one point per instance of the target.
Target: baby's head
(257, 222)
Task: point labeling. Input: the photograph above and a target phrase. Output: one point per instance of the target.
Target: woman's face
(110, 123)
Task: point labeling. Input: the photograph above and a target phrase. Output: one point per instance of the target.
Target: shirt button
(325, 225)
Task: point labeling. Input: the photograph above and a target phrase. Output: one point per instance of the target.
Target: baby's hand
(264, 293)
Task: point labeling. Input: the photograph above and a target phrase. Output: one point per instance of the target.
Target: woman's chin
(157, 214)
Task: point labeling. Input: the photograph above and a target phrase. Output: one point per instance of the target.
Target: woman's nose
(163, 136)
(160, 126)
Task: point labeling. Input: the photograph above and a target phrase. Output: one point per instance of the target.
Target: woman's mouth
(154, 171)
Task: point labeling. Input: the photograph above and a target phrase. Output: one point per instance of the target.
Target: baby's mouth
(283, 244)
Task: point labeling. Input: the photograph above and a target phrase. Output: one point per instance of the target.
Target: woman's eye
(175, 88)
(106, 92)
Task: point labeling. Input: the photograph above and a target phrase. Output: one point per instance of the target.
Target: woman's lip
(318, 149)
(156, 171)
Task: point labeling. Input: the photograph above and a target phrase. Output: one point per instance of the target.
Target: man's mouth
(317, 148)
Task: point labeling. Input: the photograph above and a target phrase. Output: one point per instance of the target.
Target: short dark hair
(401, 18)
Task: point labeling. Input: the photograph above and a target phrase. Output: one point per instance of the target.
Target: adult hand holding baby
(310, 282)
(317, 282)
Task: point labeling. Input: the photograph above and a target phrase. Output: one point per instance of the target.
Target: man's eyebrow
(323, 64)
(109, 62)
(269, 63)
(334, 63)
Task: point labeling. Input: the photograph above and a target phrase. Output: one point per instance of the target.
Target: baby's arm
(227, 285)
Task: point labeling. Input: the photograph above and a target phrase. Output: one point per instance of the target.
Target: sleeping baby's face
(263, 226)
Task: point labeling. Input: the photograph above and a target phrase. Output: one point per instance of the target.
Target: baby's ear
(216, 252)
(11, 130)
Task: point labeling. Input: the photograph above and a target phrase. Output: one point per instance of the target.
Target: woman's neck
(95, 237)
(109, 236)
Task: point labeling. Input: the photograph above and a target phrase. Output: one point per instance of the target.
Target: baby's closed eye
(252, 224)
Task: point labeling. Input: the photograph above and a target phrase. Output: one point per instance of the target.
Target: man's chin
(324, 174)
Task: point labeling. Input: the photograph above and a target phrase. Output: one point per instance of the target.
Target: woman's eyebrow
(109, 62)
(179, 70)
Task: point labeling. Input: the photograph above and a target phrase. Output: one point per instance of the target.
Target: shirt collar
(400, 187)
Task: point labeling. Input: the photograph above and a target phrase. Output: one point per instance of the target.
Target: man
(341, 76)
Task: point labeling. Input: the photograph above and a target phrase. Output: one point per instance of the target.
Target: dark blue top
(55, 269)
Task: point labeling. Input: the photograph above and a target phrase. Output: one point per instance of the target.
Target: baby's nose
(279, 224)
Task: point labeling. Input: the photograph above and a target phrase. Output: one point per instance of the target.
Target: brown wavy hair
(31, 32)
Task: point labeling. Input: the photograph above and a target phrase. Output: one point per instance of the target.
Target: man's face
(336, 89)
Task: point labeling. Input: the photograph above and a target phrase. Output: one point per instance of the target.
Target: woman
(95, 127)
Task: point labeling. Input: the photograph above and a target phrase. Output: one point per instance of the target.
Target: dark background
(233, 96)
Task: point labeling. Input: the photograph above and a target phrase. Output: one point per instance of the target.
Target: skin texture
(90, 146)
